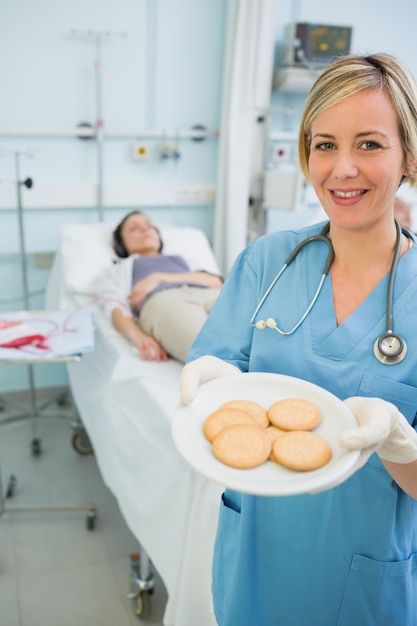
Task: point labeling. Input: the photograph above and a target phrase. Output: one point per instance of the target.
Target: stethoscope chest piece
(390, 349)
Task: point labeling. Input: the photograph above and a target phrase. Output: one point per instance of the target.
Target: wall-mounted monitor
(315, 44)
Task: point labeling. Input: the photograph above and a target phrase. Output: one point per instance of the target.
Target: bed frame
(126, 406)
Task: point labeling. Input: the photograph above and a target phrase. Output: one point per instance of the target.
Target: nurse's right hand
(200, 371)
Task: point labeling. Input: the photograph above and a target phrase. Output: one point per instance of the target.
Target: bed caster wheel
(142, 605)
(81, 442)
(11, 485)
(90, 521)
(36, 447)
(141, 588)
(63, 399)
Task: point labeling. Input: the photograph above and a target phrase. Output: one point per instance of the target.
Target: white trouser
(174, 316)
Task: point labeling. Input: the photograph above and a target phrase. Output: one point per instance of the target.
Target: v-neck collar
(366, 322)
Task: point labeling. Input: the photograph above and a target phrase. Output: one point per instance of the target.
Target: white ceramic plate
(269, 479)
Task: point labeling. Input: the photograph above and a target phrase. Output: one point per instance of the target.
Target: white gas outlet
(169, 153)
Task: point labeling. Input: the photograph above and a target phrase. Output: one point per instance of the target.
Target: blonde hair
(352, 74)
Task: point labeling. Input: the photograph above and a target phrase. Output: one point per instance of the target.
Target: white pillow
(86, 250)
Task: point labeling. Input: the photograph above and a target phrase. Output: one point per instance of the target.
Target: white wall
(164, 74)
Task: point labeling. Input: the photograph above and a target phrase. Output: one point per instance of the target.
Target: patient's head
(135, 234)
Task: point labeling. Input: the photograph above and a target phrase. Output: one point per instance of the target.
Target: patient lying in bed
(158, 302)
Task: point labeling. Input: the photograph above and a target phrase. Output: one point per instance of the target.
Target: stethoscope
(389, 348)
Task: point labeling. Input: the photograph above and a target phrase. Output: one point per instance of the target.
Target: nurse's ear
(409, 171)
(410, 167)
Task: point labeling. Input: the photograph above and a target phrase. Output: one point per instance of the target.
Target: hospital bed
(126, 406)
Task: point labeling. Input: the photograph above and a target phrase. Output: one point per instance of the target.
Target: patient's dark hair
(118, 243)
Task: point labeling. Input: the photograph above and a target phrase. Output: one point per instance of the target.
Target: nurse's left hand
(382, 429)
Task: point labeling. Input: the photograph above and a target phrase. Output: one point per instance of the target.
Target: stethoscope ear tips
(390, 349)
(269, 323)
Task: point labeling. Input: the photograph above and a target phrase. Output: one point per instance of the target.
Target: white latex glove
(201, 370)
(382, 428)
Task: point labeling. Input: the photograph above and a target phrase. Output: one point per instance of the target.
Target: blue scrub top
(347, 556)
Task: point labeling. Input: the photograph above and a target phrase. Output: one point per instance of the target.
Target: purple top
(143, 266)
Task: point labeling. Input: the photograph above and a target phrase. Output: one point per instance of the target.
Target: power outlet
(140, 151)
(195, 194)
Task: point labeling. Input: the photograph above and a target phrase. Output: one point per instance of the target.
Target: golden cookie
(301, 450)
(294, 414)
(221, 418)
(272, 432)
(251, 407)
(242, 446)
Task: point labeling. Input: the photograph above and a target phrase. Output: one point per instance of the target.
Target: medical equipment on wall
(389, 348)
(315, 44)
(308, 48)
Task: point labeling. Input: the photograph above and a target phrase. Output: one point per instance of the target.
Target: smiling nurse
(347, 555)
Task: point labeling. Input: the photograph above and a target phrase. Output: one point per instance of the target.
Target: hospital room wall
(162, 70)
(384, 26)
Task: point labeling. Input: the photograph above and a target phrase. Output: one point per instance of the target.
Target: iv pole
(99, 125)
(99, 128)
(28, 183)
(35, 410)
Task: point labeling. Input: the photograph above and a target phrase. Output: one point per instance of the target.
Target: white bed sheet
(126, 406)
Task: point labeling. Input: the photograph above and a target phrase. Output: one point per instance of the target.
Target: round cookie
(255, 409)
(272, 432)
(242, 446)
(301, 450)
(221, 418)
(294, 414)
